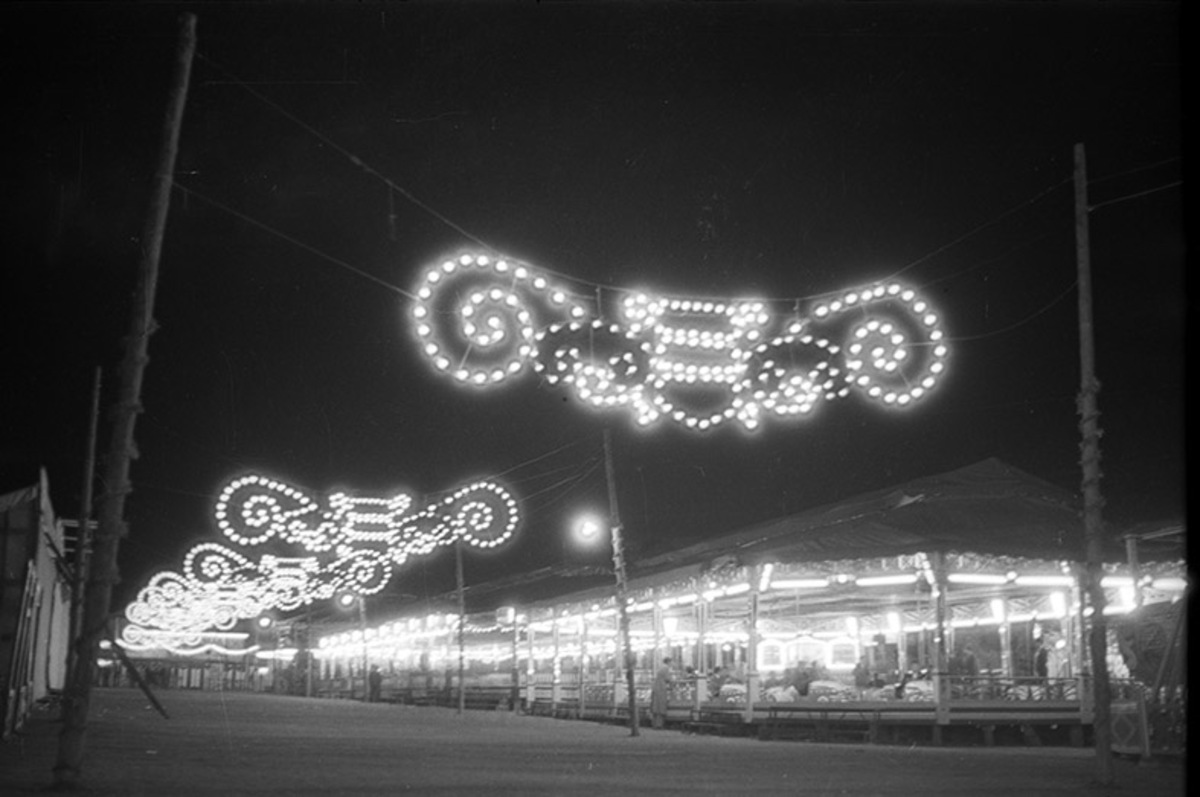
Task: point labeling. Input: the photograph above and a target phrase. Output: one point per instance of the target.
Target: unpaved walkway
(248, 744)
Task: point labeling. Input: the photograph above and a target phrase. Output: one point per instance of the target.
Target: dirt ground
(251, 744)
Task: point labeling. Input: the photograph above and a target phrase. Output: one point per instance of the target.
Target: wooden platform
(974, 723)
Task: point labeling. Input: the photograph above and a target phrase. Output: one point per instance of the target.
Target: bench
(718, 723)
(820, 724)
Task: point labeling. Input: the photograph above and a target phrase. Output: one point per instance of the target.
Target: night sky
(332, 152)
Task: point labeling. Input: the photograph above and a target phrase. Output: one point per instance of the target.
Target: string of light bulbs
(311, 551)
(484, 321)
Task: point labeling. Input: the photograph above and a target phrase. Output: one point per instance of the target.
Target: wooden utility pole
(462, 625)
(83, 540)
(618, 554)
(308, 654)
(103, 574)
(366, 651)
(1093, 525)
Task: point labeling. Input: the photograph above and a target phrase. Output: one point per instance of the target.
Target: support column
(1005, 629)
(516, 662)
(447, 671)
(703, 668)
(1135, 570)
(896, 630)
(656, 625)
(941, 623)
(583, 662)
(556, 670)
(1083, 680)
(530, 670)
(752, 646)
(1063, 610)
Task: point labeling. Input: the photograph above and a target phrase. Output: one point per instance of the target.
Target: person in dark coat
(862, 675)
(970, 665)
(803, 677)
(715, 682)
(374, 684)
(660, 693)
(1041, 659)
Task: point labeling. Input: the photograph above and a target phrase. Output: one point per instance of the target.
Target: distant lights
(665, 358)
(351, 546)
(891, 580)
(994, 579)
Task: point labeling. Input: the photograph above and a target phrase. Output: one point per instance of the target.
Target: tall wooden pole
(83, 542)
(1093, 525)
(516, 667)
(618, 554)
(308, 654)
(366, 653)
(122, 451)
(462, 623)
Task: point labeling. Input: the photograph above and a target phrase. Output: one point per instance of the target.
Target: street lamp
(264, 623)
(346, 601)
(590, 530)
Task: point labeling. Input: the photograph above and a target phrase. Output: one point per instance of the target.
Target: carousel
(947, 608)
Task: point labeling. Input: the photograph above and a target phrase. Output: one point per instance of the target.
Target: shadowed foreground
(243, 743)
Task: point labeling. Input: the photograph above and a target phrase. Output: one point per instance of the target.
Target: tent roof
(986, 508)
(989, 508)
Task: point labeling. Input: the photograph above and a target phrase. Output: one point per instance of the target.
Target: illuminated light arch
(183, 644)
(349, 544)
(698, 363)
(497, 308)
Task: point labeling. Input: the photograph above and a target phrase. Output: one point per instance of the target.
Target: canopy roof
(986, 508)
(989, 508)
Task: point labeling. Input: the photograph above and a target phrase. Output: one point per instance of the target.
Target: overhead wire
(596, 288)
(354, 159)
(981, 227)
(1136, 170)
(292, 240)
(592, 285)
(1127, 197)
(987, 261)
(591, 467)
(1018, 324)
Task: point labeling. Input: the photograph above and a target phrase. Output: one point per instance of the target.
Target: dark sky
(719, 150)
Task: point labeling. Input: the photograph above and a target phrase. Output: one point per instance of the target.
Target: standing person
(819, 671)
(374, 684)
(715, 682)
(660, 692)
(970, 663)
(862, 676)
(970, 669)
(801, 679)
(1041, 660)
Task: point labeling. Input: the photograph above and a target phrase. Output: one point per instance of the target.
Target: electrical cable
(391, 184)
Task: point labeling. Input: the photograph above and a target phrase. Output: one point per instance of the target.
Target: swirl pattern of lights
(352, 545)
(697, 363)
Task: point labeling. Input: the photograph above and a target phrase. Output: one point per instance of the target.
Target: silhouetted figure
(970, 666)
(374, 684)
(1041, 660)
(659, 694)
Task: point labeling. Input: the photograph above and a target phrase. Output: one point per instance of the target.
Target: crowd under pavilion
(902, 579)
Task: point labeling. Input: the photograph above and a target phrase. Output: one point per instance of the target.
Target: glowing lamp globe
(589, 530)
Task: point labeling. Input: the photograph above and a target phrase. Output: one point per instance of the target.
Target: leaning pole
(122, 449)
(1093, 501)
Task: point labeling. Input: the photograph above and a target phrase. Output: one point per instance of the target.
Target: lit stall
(949, 600)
